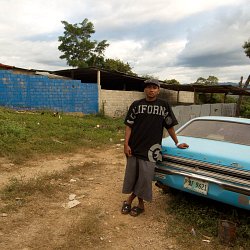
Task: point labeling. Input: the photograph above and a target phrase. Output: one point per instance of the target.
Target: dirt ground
(45, 222)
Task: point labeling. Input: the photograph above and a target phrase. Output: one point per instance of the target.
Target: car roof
(223, 118)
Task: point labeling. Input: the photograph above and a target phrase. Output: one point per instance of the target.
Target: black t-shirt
(147, 119)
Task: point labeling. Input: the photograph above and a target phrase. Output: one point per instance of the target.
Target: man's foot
(126, 208)
(135, 211)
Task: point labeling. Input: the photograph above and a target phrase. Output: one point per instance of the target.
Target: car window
(234, 132)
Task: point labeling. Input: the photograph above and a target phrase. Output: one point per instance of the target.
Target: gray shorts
(138, 178)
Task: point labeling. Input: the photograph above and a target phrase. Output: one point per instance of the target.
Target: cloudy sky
(168, 39)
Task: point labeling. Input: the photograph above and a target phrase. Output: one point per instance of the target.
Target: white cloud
(34, 55)
(166, 38)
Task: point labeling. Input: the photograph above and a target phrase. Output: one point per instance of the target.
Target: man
(144, 122)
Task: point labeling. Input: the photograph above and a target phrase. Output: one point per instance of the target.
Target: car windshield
(227, 131)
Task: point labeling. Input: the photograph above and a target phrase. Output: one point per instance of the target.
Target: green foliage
(118, 65)
(215, 98)
(246, 47)
(172, 81)
(230, 99)
(24, 135)
(210, 81)
(210, 97)
(12, 129)
(147, 76)
(245, 107)
(77, 47)
(80, 51)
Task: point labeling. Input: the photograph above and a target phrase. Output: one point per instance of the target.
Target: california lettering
(149, 109)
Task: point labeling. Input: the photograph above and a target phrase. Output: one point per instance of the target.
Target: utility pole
(238, 106)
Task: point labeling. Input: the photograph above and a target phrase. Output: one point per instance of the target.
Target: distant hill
(229, 83)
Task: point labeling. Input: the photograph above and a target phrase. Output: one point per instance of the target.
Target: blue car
(217, 163)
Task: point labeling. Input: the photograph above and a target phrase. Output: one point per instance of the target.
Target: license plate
(195, 185)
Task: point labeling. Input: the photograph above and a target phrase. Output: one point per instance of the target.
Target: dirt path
(45, 224)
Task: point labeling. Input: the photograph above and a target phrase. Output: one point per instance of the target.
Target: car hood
(211, 151)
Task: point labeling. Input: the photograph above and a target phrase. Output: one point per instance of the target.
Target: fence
(185, 113)
(116, 104)
(22, 91)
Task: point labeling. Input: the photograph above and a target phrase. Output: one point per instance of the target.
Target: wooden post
(178, 96)
(195, 97)
(247, 83)
(238, 106)
(99, 91)
(225, 97)
(239, 99)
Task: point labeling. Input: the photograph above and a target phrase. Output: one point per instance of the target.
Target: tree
(239, 102)
(246, 47)
(172, 81)
(77, 48)
(208, 98)
(118, 65)
(147, 76)
(210, 81)
(200, 81)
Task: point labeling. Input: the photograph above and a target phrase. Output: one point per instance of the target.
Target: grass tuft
(83, 233)
(16, 194)
(204, 214)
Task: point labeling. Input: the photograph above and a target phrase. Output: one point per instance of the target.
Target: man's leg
(141, 203)
(136, 210)
(126, 207)
(131, 198)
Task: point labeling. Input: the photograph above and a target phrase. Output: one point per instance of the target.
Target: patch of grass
(84, 232)
(203, 215)
(16, 194)
(23, 188)
(27, 134)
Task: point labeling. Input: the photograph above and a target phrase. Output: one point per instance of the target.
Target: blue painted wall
(40, 92)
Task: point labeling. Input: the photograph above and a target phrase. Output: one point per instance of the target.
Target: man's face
(151, 91)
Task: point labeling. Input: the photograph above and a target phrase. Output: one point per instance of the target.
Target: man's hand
(127, 150)
(182, 145)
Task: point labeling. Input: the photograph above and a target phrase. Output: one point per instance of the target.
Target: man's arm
(127, 149)
(172, 134)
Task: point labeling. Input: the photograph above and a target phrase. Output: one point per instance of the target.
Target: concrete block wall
(172, 96)
(115, 103)
(186, 113)
(186, 97)
(169, 95)
(22, 91)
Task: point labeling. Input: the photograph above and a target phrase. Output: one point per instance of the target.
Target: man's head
(151, 89)
(151, 82)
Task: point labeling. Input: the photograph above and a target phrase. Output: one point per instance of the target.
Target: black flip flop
(135, 211)
(126, 208)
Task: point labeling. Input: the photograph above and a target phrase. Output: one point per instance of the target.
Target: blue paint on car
(213, 166)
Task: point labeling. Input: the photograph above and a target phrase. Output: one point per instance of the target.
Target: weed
(23, 188)
(16, 194)
(203, 215)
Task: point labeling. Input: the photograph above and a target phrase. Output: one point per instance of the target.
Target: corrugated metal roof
(115, 80)
(111, 80)
(6, 66)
